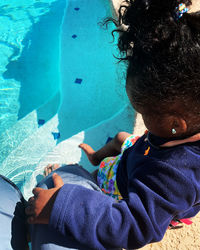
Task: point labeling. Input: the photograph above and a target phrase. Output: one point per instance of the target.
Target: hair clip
(180, 10)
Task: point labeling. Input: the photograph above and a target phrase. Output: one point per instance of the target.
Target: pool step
(22, 161)
(9, 105)
(68, 152)
(88, 98)
(12, 137)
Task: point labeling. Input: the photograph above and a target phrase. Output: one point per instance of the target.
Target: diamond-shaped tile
(78, 80)
(76, 8)
(56, 135)
(74, 36)
(41, 122)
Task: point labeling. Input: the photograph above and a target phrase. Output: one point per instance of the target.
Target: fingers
(35, 220)
(31, 199)
(37, 209)
(30, 210)
(36, 191)
(57, 180)
(31, 220)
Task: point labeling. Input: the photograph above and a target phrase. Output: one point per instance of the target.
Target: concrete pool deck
(187, 237)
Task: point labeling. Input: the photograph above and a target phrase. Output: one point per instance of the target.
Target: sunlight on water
(16, 20)
(29, 59)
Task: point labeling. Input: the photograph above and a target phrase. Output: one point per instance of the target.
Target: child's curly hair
(163, 52)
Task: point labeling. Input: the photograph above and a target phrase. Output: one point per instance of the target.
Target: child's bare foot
(90, 154)
(49, 168)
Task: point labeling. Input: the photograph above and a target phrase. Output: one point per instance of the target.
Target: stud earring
(173, 131)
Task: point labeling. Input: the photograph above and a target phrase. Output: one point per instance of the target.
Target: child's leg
(112, 148)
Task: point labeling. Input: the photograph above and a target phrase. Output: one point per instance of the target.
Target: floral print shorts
(106, 176)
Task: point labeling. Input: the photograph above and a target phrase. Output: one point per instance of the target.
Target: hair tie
(180, 10)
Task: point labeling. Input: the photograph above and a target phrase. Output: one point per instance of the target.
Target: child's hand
(40, 205)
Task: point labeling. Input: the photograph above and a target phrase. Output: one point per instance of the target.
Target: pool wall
(91, 90)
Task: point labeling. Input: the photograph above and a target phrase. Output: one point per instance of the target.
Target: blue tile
(109, 139)
(74, 36)
(41, 122)
(56, 135)
(78, 80)
(76, 8)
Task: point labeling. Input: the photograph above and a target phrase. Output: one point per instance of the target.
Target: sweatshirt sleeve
(99, 222)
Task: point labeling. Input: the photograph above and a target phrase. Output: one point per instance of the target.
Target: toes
(82, 145)
(29, 210)
(50, 168)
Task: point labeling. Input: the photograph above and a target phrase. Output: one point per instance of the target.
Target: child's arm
(112, 148)
(99, 222)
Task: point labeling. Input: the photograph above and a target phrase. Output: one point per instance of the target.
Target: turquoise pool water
(58, 76)
(29, 47)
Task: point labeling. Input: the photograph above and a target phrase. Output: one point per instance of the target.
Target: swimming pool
(59, 84)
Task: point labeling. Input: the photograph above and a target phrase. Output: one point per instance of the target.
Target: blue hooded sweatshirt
(157, 184)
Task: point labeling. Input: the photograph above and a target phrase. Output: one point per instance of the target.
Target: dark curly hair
(162, 52)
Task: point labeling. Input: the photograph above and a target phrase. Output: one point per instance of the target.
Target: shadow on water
(37, 69)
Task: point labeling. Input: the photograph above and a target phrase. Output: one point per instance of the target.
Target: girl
(158, 178)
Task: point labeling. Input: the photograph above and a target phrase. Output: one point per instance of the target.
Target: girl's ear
(179, 126)
(195, 7)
